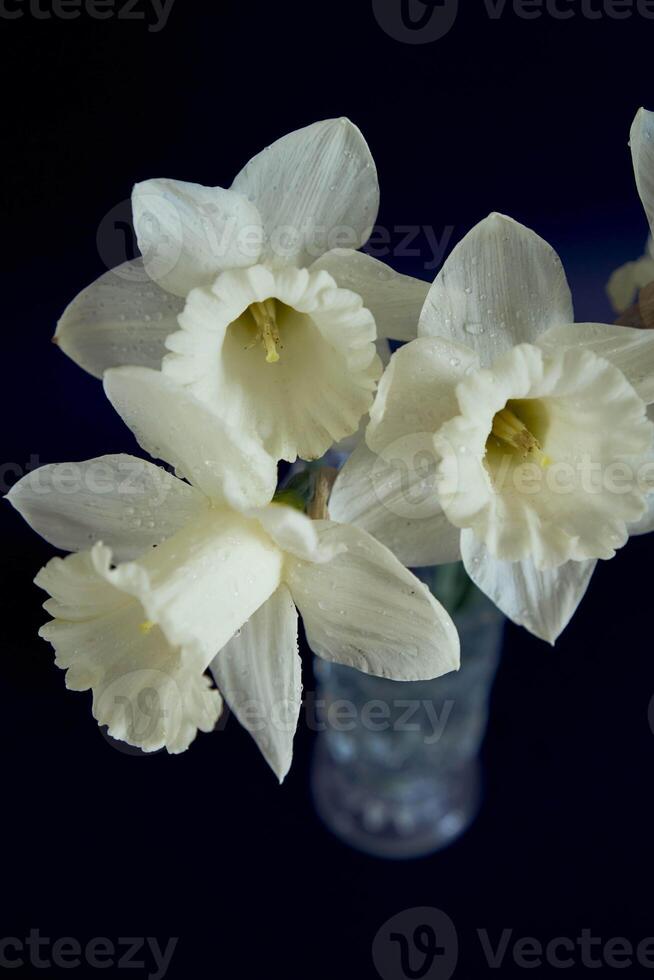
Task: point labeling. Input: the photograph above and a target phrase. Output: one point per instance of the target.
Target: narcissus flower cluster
(253, 330)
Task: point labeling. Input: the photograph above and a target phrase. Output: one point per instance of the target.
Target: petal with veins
(171, 424)
(630, 349)
(394, 300)
(541, 601)
(365, 610)
(188, 233)
(398, 505)
(126, 502)
(417, 392)
(501, 286)
(121, 318)
(259, 674)
(310, 185)
(642, 154)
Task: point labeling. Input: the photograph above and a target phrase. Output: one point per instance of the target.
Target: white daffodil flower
(246, 297)
(626, 281)
(507, 435)
(170, 578)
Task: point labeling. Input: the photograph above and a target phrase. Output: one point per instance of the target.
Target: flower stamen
(511, 432)
(146, 626)
(264, 315)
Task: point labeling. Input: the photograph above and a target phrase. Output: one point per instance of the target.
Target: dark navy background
(529, 117)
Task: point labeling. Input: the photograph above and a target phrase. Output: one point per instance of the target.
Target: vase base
(389, 826)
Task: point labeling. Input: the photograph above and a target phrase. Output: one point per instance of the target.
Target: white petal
(501, 286)
(397, 504)
(625, 282)
(642, 154)
(394, 300)
(259, 674)
(129, 504)
(646, 524)
(628, 348)
(144, 689)
(417, 393)
(365, 610)
(171, 424)
(310, 186)
(121, 318)
(188, 233)
(541, 601)
(324, 380)
(292, 531)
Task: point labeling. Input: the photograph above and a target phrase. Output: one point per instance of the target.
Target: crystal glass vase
(396, 767)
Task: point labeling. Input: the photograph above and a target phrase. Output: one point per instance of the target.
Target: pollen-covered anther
(511, 432)
(265, 317)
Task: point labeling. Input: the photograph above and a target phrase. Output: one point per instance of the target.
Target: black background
(529, 117)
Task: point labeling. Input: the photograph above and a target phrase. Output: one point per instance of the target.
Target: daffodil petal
(121, 318)
(127, 503)
(642, 153)
(417, 393)
(188, 233)
(394, 300)
(628, 348)
(397, 504)
(292, 531)
(541, 601)
(309, 186)
(259, 674)
(171, 424)
(365, 610)
(501, 286)
(646, 524)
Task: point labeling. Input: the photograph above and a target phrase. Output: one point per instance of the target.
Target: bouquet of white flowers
(252, 331)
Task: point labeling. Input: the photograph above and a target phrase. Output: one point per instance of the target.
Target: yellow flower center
(264, 316)
(147, 626)
(510, 433)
